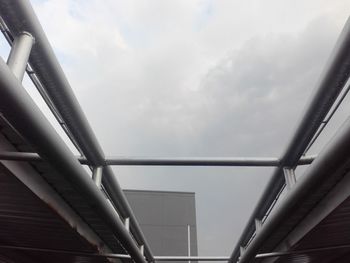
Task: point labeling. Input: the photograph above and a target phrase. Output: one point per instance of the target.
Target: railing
(332, 81)
(21, 28)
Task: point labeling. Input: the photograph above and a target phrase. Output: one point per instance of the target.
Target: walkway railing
(31, 52)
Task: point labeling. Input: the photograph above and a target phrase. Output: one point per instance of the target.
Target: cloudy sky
(195, 78)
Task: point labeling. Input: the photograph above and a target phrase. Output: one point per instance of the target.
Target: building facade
(167, 219)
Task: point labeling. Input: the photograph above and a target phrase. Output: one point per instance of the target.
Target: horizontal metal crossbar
(160, 161)
(175, 258)
(57, 91)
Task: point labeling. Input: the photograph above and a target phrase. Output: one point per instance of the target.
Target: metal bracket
(97, 175)
(241, 250)
(289, 176)
(127, 224)
(258, 225)
(19, 55)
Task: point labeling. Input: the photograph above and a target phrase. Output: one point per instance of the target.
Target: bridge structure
(59, 207)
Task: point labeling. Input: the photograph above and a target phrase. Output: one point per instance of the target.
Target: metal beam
(22, 112)
(331, 82)
(136, 161)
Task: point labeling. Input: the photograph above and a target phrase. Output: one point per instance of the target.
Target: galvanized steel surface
(333, 79)
(19, 16)
(336, 74)
(323, 174)
(21, 112)
(163, 161)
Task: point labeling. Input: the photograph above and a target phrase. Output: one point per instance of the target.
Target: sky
(195, 78)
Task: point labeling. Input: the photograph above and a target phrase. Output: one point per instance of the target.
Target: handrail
(19, 16)
(332, 80)
(21, 111)
(167, 161)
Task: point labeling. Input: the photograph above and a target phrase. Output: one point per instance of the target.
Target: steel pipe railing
(333, 79)
(20, 110)
(19, 16)
(203, 161)
(275, 254)
(132, 161)
(334, 159)
(8, 36)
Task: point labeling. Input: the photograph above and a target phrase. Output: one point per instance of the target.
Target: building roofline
(159, 191)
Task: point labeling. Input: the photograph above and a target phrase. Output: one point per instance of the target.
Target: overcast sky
(195, 78)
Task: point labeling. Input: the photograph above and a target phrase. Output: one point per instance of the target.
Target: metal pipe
(334, 159)
(189, 242)
(298, 252)
(332, 80)
(174, 258)
(203, 161)
(36, 82)
(19, 16)
(111, 255)
(66, 252)
(327, 119)
(193, 161)
(132, 161)
(19, 55)
(116, 194)
(20, 110)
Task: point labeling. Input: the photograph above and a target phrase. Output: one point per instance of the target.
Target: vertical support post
(289, 177)
(189, 241)
(241, 250)
(19, 55)
(258, 225)
(127, 223)
(97, 175)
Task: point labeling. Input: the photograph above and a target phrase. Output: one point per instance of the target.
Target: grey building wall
(164, 218)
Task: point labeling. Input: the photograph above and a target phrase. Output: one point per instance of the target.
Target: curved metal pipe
(332, 81)
(334, 159)
(23, 114)
(19, 16)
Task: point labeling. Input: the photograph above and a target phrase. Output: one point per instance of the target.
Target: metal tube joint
(289, 176)
(19, 55)
(97, 174)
